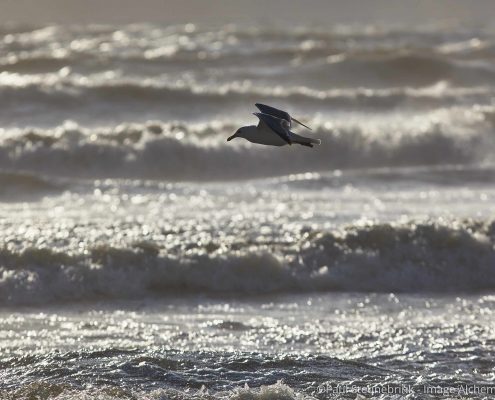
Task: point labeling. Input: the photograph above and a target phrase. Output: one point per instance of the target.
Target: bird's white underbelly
(264, 135)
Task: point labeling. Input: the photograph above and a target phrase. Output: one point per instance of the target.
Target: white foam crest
(412, 257)
(101, 83)
(177, 150)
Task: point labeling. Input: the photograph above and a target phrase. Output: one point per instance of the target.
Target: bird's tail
(304, 141)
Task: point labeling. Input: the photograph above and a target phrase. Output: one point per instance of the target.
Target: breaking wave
(49, 90)
(175, 151)
(337, 57)
(376, 258)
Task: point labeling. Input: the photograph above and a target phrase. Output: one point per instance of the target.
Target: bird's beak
(231, 137)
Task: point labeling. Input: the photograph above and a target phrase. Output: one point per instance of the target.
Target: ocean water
(144, 257)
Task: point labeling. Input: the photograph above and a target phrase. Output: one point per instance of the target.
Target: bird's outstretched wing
(279, 126)
(278, 114)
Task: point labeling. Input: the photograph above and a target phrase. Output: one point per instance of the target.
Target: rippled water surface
(308, 342)
(144, 257)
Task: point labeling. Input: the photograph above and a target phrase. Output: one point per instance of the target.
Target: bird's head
(238, 133)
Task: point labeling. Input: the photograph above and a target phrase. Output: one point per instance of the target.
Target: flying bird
(273, 129)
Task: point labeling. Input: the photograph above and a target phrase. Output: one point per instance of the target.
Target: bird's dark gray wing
(279, 126)
(273, 111)
(279, 114)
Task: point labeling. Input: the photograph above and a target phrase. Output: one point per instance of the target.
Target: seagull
(273, 129)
